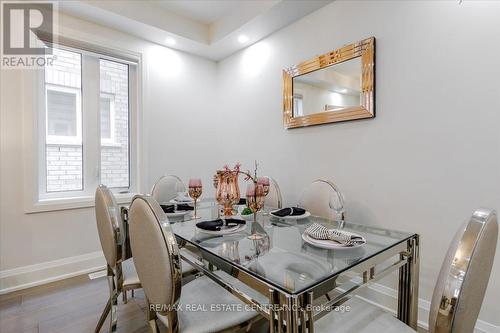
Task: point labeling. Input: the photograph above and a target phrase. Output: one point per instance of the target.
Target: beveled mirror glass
(336, 86)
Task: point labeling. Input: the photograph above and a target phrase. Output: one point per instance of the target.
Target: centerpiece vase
(227, 191)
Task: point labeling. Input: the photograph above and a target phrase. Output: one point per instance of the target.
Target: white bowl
(248, 217)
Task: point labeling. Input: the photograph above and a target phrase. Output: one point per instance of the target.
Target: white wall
(432, 153)
(48, 245)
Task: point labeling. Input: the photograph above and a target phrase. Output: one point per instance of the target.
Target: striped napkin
(317, 231)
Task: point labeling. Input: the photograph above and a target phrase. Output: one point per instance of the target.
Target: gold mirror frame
(364, 49)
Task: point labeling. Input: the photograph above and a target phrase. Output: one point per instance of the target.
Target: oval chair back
(273, 198)
(166, 188)
(156, 254)
(109, 225)
(323, 198)
(464, 275)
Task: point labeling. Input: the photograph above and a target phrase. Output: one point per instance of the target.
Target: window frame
(111, 141)
(63, 139)
(34, 137)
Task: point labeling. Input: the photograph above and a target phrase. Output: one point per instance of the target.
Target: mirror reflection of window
(334, 88)
(297, 105)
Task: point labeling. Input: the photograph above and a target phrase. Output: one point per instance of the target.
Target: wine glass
(264, 181)
(195, 190)
(255, 201)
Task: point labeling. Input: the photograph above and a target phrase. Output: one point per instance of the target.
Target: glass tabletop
(282, 258)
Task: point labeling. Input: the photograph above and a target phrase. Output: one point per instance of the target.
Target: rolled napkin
(168, 208)
(320, 232)
(216, 225)
(289, 211)
(184, 207)
(232, 222)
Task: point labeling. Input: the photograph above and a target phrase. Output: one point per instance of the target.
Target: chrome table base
(289, 313)
(408, 284)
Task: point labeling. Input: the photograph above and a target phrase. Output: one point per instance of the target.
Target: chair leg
(151, 317)
(173, 322)
(104, 314)
(132, 292)
(124, 296)
(113, 300)
(153, 326)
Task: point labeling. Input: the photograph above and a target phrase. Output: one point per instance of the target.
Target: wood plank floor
(73, 305)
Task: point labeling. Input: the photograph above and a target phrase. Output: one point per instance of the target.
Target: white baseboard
(386, 298)
(51, 271)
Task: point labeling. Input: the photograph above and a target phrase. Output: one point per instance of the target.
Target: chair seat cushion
(362, 318)
(200, 309)
(130, 276)
(129, 273)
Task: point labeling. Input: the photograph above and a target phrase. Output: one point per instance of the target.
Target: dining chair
(273, 198)
(121, 274)
(158, 262)
(166, 188)
(323, 198)
(458, 293)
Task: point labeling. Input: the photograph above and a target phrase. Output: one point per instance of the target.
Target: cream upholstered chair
(273, 198)
(166, 188)
(458, 293)
(323, 198)
(157, 258)
(121, 273)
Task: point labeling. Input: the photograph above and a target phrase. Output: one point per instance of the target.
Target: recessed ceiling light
(170, 41)
(242, 39)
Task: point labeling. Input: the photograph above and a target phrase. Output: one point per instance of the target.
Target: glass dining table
(299, 282)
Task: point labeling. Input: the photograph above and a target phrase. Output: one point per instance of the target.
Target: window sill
(50, 205)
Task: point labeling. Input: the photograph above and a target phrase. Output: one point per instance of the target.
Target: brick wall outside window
(64, 161)
(114, 157)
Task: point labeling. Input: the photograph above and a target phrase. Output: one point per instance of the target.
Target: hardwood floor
(73, 305)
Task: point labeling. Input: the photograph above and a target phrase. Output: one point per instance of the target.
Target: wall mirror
(333, 87)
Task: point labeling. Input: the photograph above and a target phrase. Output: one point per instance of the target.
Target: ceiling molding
(152, 21)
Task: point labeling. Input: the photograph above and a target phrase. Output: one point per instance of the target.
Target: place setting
(221, 226)
(176, 210)
(290, 213)
(320, 236)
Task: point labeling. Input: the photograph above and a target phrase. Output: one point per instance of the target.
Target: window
(64, 117)
(114, 92)
(84, 126)
(107, 106)
(297, 105)
(63, 129)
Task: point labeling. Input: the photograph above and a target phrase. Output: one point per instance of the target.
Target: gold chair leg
(113, 300)
(151, 317)
(104, 314)
(124, 296)
(173, 322)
